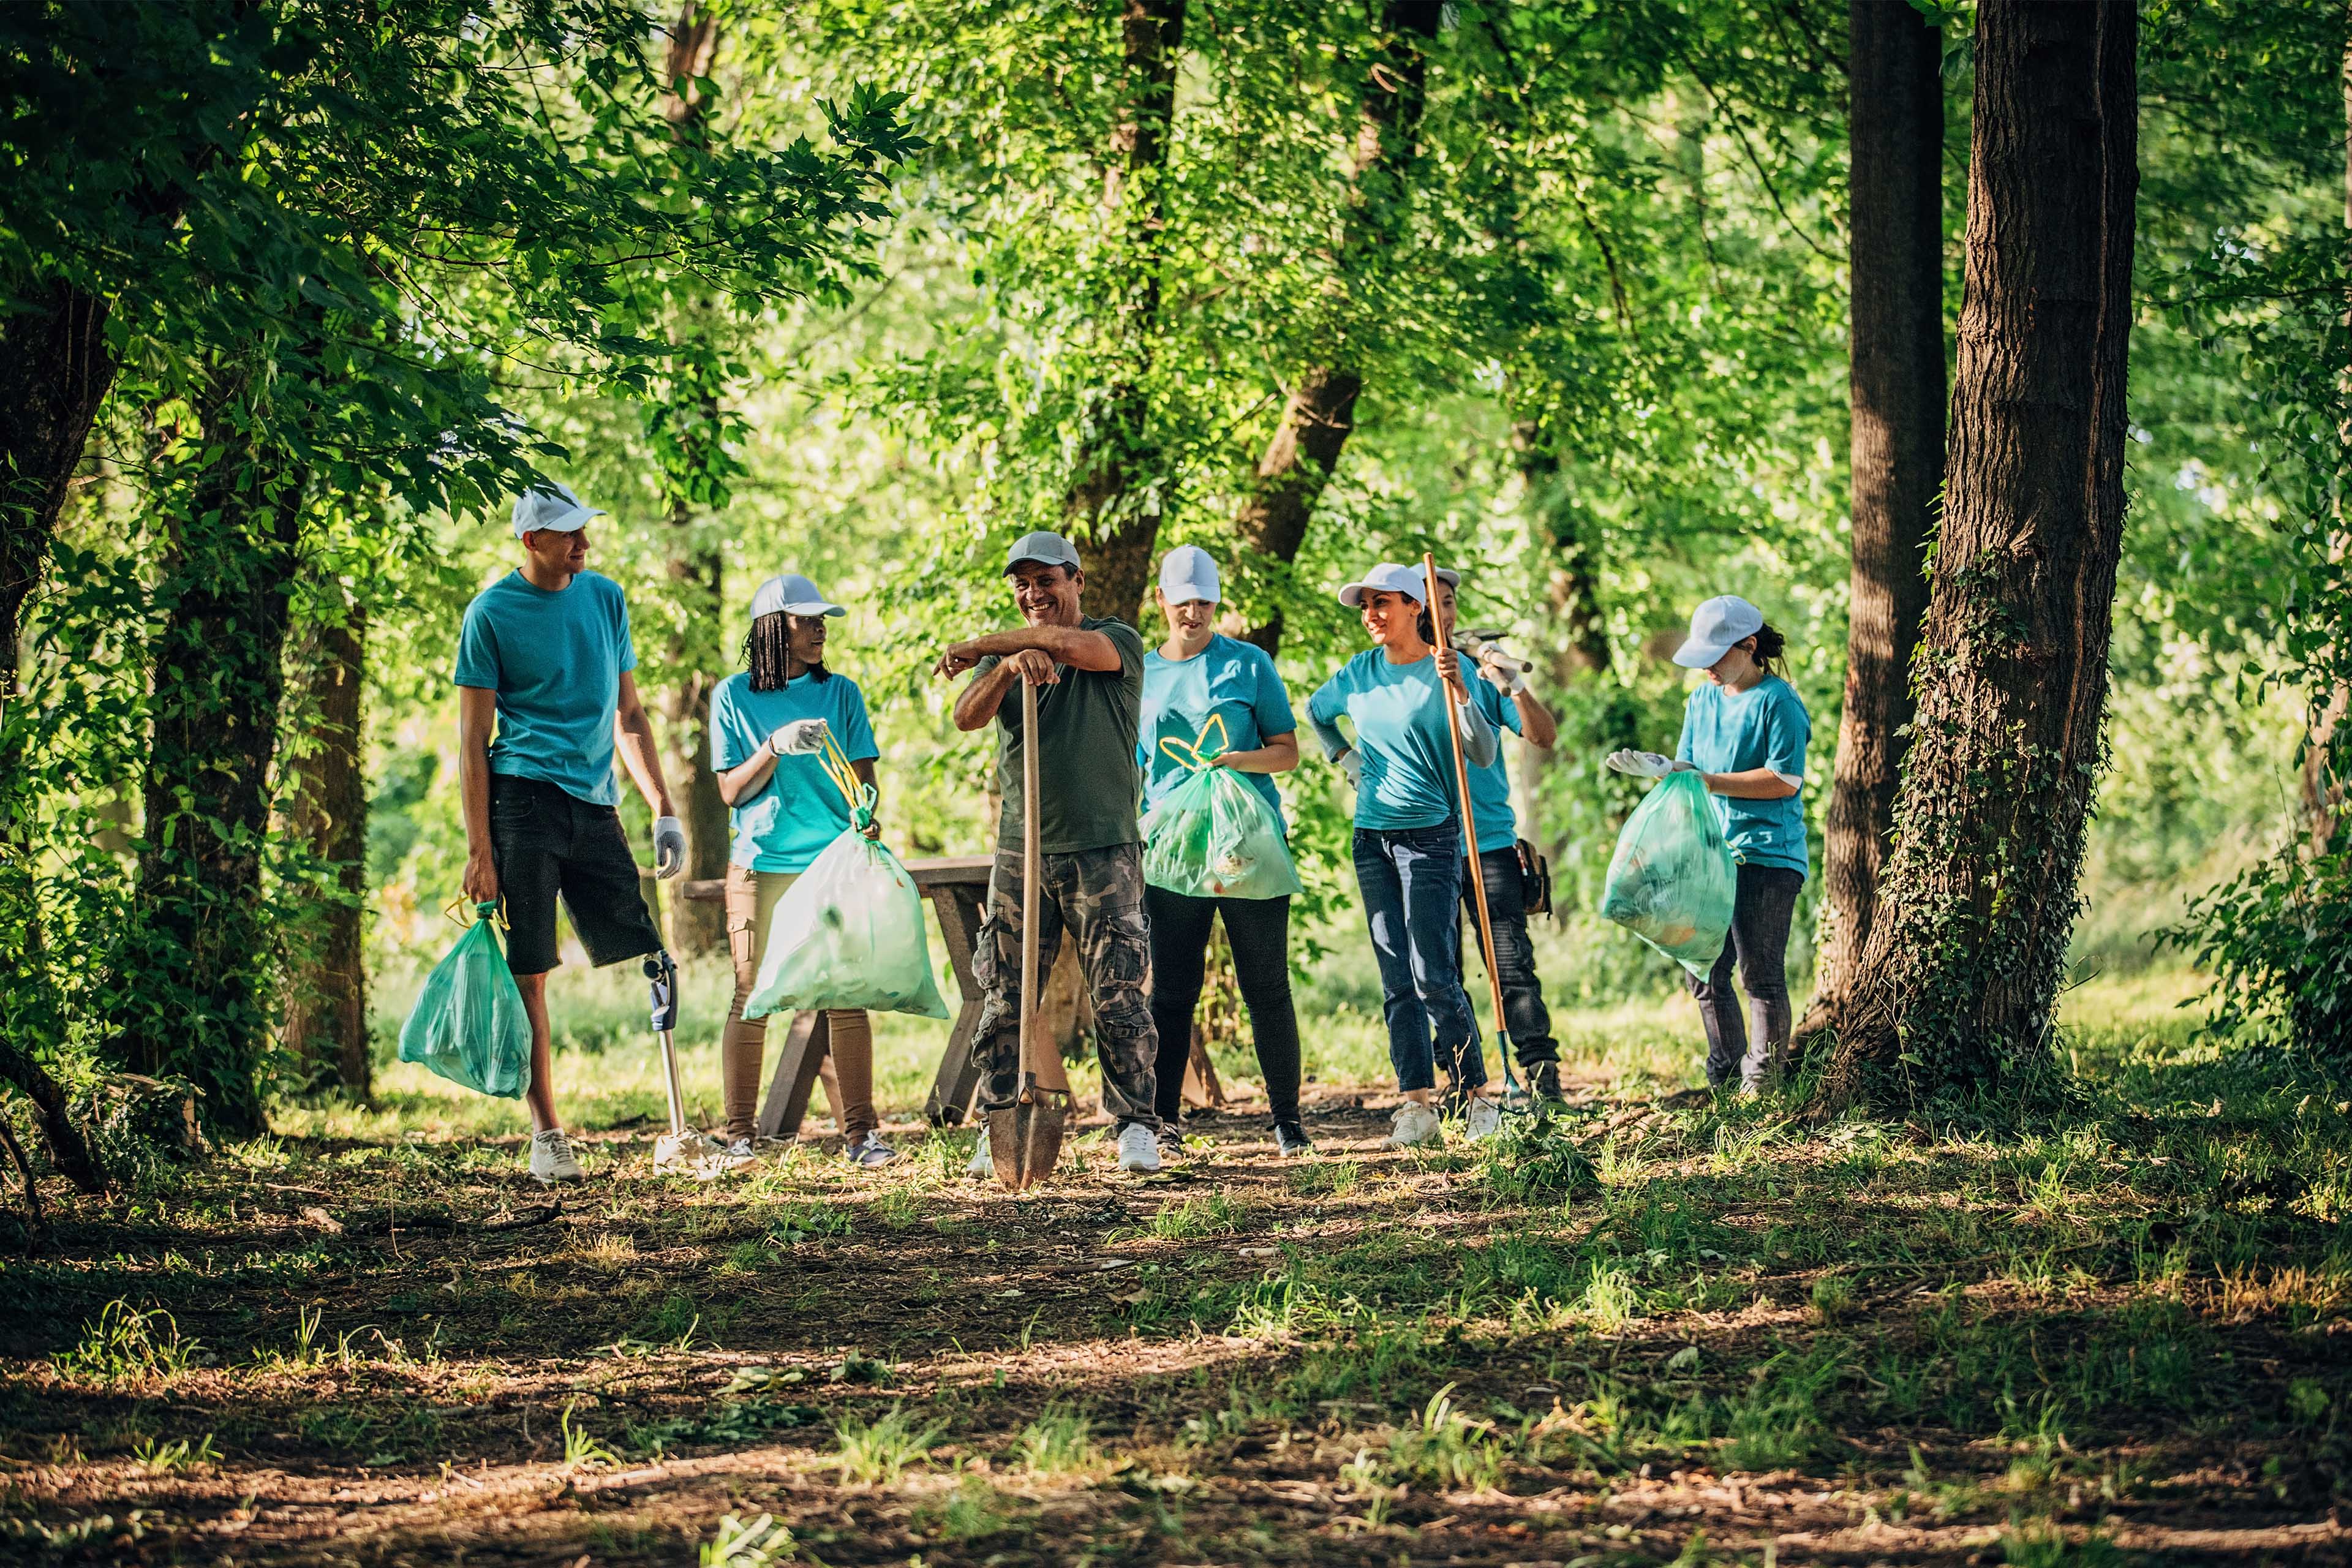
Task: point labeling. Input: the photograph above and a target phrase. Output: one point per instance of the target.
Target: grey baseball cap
(1045, 548)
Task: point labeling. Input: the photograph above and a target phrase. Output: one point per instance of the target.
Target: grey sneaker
(1139, 1149)
(1172, 1144)
(871, 1150)
(1290, 1138)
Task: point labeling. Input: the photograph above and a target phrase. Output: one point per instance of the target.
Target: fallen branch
(387, 1222)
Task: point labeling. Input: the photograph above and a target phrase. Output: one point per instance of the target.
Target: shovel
(1024, 1139)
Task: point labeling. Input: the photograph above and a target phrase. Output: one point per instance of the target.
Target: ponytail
(1770, 646)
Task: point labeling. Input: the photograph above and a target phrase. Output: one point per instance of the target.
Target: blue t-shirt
(799, 810)
(1490, 786)
(555, 659)
(1231, 679)
(1399, 714)
(1765, 726)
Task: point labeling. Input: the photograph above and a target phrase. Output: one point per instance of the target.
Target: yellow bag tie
(1187, 753)
(494, 912)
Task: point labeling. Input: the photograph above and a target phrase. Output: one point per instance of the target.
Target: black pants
(1258, 931)
(547, 844)
(1524, 1013)
(1760, 911)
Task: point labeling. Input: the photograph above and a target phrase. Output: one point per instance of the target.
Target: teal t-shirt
(1231, 679)
(555, 659)
(1765, 726)
(800, 809)
(1399, 714)
(1490, 786)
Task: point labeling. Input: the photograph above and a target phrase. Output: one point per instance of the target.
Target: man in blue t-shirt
(544, 655)
(1505, 698)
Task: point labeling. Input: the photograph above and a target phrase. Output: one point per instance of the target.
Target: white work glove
(1352, 762)
(670, 846)
(801, 738)
(1648, 764)
(1503, 670)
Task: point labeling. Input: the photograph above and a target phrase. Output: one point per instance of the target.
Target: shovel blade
(1024, 1141)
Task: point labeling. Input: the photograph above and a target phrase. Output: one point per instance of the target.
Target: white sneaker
(1412, 1123)
(551, 1158)
(983, 1165)
(1484, 1119)
(685, 1149)
(1139, 1149)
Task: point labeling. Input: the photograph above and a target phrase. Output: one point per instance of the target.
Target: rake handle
(1031, 866)
(1462, 797)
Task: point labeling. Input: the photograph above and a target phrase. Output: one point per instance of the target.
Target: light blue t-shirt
(555, 659)
(1229, 679)
(1399, 714)
(799, 810)
(1490, 786)
(1765, 726)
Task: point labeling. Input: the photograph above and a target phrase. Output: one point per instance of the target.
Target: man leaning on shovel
(1088, 676)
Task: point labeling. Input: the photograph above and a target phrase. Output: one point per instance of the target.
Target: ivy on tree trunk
(1960, 981)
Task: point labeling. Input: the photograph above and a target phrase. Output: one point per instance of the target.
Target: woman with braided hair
(767, 727)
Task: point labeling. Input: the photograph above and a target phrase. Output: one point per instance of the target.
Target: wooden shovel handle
(1029, 871)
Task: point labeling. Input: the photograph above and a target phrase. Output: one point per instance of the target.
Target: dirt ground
(1653, 1330)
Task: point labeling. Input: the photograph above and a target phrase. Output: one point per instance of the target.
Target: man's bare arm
(633, 735)
(976, 707)
(1064, 645)
(477, 709)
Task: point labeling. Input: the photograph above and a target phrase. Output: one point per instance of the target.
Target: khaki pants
(751, 899)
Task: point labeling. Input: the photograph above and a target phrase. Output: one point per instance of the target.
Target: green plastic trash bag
(468, 1024)
(1213, 836)
(849, 933)
(1672, 879)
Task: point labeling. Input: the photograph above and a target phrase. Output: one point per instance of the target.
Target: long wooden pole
(1469, 819)
(1032, 865)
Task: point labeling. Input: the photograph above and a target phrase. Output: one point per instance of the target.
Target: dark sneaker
(1172, 1144)
(1543, 1082)
(1290, 1139)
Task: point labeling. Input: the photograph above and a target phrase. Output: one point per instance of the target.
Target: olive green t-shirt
(1087, 725)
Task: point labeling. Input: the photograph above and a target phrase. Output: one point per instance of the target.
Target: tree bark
(188, 976)
(1319, 410)
(1897, 380)
(2323, 778)
(326, 1012)
(54, 370)
(697, 569)
(1958, 982)
(1115, 500)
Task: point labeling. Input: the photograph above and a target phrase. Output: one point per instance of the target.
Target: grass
(2030, 1343)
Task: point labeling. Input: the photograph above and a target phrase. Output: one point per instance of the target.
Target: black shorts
(546, 841)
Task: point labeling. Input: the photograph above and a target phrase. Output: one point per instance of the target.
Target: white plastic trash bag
(849, 933)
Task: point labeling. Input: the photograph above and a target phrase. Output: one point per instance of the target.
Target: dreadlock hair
(1770, 646)
(768, 651)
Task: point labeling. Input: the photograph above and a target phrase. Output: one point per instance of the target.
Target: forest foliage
(910, 279)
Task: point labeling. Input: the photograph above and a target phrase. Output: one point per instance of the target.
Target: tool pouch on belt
(1535, 880)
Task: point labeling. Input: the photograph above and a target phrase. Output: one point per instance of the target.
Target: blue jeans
(1412, 883)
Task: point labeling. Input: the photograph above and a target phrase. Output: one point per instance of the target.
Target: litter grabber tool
(1485, 646)
(1024, 1139)
(679, 1146)
(1514, 1096)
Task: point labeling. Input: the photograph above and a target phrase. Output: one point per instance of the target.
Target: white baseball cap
(1187, 574)
(1386, 577)
(790, 594)
(1045, 548)
(1715, 626)
(552, 510)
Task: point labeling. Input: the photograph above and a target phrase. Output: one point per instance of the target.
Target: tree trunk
(326, 1011)
(697, 569)
(1319, 411)
(1116, 499)
(188, 975)
(1896, 376)
(2323, 777)
(54, 369)
(1959, 983)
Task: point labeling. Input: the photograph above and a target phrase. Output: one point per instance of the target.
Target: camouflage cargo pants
(1096, 895)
